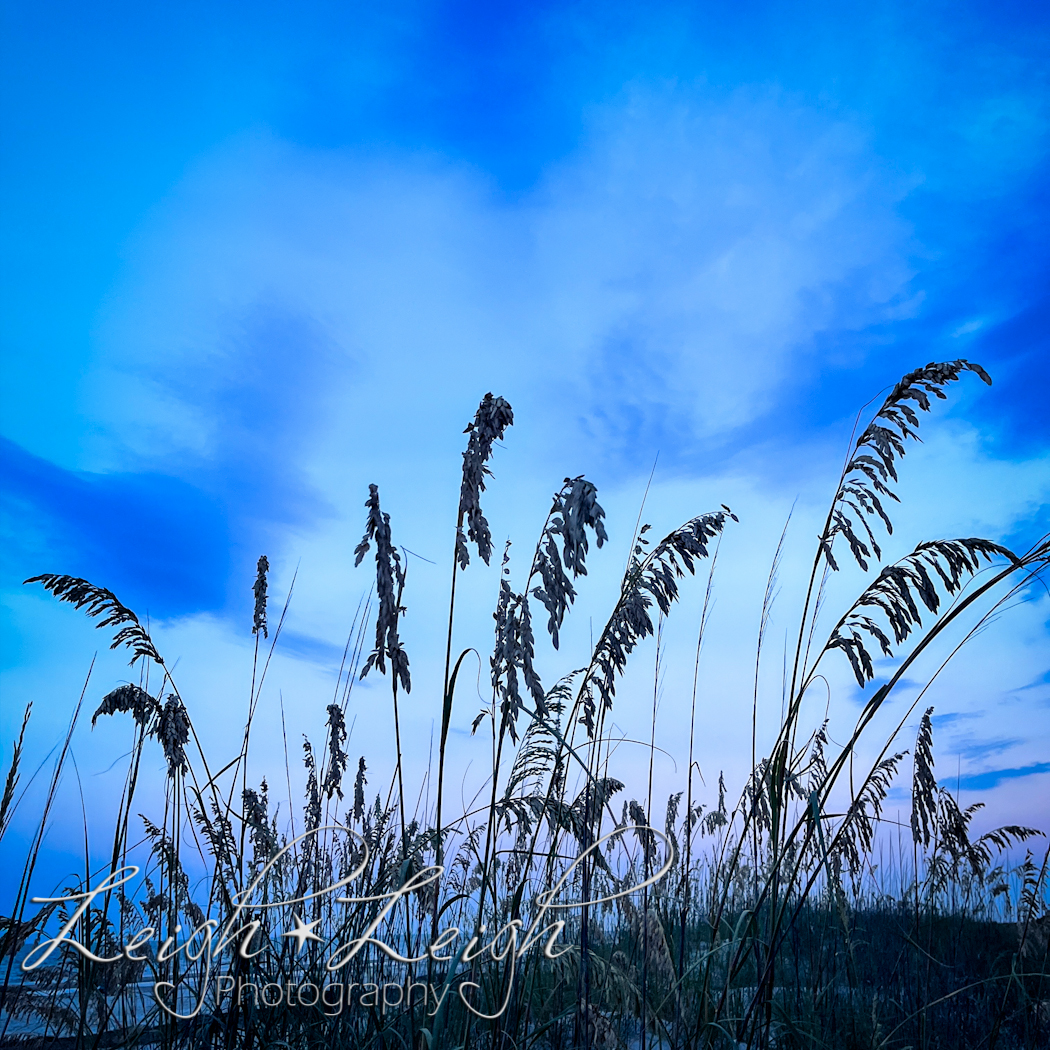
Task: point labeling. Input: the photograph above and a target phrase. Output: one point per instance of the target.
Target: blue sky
(257, 256)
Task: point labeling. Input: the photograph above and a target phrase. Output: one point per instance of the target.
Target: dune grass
(563, 908)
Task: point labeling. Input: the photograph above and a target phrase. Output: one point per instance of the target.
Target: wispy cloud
(993, 777)
(160, 540)
(284, 297)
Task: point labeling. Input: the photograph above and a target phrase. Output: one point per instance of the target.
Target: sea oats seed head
(493, 417)
(924, 784)
(259, 589)
(143, 707)
(390, 582)
(172, 729)
(872, 467)
(359, 789)
(898, 591)
(97, 601)
(514, 652)
(336, 755)
(651, 578)
(312, 810)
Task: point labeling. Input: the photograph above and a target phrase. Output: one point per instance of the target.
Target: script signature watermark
(205, 944)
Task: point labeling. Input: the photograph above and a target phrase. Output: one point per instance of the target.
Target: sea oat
(924, 784)
(359, 790)
(259, 589)
(651, 577)
(97, 601)
(143, 707)
(172, 729)
(336, 754)
(867, 475)
(894, 592)
(493, 417)
(390, 580)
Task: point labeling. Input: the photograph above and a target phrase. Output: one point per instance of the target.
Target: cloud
(159, 541)
(985, 749)
(314, 650)
(686, 236)
(993, 777)
(698, 246)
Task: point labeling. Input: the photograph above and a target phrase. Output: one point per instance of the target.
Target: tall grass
(550, 912)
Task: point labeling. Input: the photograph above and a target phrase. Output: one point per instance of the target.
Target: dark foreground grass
(558, 910)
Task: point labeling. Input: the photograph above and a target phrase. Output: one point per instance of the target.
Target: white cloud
(659, 285)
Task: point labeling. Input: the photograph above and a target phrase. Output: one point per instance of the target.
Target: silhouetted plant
(97, 601)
